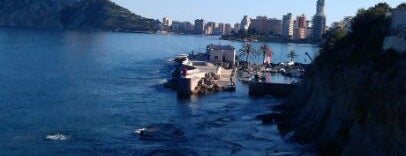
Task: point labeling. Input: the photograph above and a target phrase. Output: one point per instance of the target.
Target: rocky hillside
(72, 14)
(352, 100)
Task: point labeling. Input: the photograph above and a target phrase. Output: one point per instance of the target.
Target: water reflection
(278, 78)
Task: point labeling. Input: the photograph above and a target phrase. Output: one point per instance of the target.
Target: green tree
(292, 55)
(402, 5)
(247, 51)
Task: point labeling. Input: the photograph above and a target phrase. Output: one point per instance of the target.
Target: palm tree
(264, 50)
(307, 54)
(247, 50)
(292, 55)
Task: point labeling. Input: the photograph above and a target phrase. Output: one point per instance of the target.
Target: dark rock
(269, 118)
(352, 100)
(162, 132)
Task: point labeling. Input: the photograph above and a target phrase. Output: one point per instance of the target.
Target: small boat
(282, 70)
(271, 70)
(245, 79)
(181, 58)
(294, 73)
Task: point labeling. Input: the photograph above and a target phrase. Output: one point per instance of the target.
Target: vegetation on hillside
(104, 14)
(72, 14)
(351, 101)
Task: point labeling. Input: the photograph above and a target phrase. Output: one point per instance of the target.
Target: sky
(232, 11)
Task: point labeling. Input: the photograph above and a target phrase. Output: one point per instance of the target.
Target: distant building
(211, 24)
(221, 53)
(245, 23)
(301, 28)
(337, 25)
(167, 22)
(182, 27)
(319, 21)
(258, 24)
(343, 24)
(220, 29)
(199, 26)
(309, 30)
(236, 27)
(265, 25)
(275, 25)
(287, 26)
(228, 29)
(209, 28)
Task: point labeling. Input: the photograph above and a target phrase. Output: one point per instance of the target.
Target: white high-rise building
(319, 21)
(287, 26)
(245, 23)
(167, 21)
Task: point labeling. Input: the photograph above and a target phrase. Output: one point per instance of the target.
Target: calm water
(97, 88)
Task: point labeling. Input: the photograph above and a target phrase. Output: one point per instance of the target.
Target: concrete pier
(206, 78)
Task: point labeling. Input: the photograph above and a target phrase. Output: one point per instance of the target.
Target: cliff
(352, 100)
(72, 14)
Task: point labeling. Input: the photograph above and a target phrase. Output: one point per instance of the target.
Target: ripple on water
(56, 137)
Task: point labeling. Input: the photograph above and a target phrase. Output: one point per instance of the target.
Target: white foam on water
(56, 137)
(138, 131)
(162, 81)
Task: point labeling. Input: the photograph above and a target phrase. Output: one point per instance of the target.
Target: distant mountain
(72, 14)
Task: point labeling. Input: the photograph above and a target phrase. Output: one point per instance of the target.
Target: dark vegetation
(72, 14)
(103, 14)
(351, 101)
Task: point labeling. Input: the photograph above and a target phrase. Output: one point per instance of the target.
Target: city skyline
(227, 12)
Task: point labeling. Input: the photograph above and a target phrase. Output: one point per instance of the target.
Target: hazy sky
(232, 11)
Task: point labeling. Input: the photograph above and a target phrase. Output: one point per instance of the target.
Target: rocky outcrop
(161, 132)
(208, 84)
(32, 13)
(72, 14)
(397, 43)
(351, 101)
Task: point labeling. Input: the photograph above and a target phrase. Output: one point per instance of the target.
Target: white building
(287, 26)
(221, 54)
(167, 21)
(245, 23)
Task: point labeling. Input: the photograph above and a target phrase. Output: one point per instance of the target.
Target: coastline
(260, 39)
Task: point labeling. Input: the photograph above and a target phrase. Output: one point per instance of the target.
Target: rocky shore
(351, 101)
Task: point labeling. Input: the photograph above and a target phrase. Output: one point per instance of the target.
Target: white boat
(182, 58)
(291, 63)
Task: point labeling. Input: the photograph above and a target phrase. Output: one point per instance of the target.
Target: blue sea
(97, 88)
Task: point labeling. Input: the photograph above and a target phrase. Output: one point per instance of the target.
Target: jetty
(278, 80)
(204, 78)
(205, 73)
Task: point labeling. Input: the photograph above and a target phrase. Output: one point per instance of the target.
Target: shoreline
(277, 40)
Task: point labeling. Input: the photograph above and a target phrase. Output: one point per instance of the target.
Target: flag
(268, 58)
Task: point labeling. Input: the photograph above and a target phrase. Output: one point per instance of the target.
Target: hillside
(351, 101)
(72, 14)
